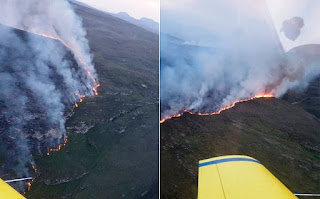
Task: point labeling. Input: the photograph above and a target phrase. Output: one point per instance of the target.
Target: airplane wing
(238, 177)
(7, 192)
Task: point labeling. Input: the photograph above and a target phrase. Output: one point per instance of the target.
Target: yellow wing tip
(225, 157)
(238, 176)
(6, 191)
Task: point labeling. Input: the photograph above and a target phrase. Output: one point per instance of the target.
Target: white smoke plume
(45, 68)
(216, 52)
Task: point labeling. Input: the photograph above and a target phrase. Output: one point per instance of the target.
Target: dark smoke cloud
(225, 51)
(40, 77)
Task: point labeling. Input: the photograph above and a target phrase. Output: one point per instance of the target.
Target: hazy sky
(211, 15)
(135, 8)
(308, 10)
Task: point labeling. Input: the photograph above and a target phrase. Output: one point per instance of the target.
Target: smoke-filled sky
(176, 12)
(136, 8)
(230, 50)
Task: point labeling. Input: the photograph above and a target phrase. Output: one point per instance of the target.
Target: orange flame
(30, 183)
(81, 97)
(59, 147)
(48, 153)
(77, 55)
(95, 89)
(29, 186)
(219, 111)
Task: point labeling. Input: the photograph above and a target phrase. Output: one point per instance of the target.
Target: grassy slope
(284, 137)
(117, 157)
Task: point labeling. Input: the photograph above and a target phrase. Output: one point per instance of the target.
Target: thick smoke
(45, 68)
(236, 55)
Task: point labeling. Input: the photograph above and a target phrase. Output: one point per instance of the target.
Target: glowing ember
(219, 111)
(34, 168)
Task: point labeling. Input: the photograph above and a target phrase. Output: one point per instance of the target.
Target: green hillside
(281, 135)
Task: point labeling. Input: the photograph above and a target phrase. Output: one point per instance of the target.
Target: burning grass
(266, 95)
